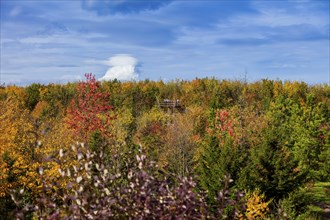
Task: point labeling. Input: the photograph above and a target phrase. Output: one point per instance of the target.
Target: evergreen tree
(210, 170)
(221, 157)
(272, 168)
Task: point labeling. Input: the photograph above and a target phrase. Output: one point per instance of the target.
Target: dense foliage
(239, 150)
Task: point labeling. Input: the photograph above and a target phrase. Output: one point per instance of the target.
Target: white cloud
(15, 11)
(90, 3)
(122, 67)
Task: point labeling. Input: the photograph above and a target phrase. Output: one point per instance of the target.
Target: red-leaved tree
(90, 110)
(222, 126)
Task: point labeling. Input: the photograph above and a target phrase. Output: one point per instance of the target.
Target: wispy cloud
(106, 7)
(186, 39)
(15, 11)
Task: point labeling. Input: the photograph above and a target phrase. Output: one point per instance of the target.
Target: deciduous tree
(90, 110)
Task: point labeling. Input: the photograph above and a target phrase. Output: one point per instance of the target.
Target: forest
(110, 150)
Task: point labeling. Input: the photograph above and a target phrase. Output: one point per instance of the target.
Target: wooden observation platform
(172, 105)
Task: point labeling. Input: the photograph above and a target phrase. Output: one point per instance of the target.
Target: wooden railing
(171, 104)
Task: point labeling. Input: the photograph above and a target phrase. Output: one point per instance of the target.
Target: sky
(59, 41)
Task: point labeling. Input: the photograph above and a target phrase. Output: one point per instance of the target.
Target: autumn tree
(19, 153)
(90, 110)
(180, 144)
(151, 133)
(56, 99)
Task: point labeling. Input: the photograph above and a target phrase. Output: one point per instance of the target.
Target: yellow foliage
(179, 148)
(18, 93)
(296, 90)
(3, 176)
(121, 125)
(24, 145)
(278, 88)
(256, 206)
(36, 113)
(15, 139)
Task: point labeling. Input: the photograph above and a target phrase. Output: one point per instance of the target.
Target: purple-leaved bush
(97, 189)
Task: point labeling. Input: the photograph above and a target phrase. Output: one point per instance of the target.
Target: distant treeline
(263, 141)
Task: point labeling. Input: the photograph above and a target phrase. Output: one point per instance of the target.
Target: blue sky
(59, 41)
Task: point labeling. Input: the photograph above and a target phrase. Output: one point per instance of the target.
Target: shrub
(96, 190)
(256, 206)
